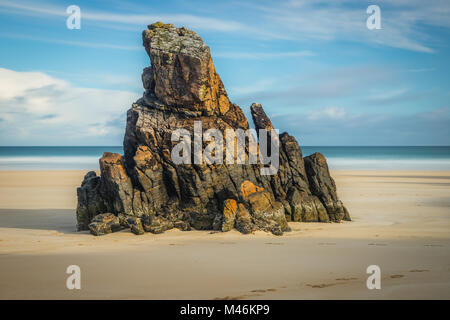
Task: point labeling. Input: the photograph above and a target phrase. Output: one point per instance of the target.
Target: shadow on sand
(61, 220)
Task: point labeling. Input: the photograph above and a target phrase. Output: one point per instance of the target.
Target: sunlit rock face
(149, 192)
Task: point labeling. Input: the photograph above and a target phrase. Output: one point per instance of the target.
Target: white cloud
(263, 55)
(329, 113)
(382, 95)
(248, 90)
(36, 108)
(193, 21)
(336, 126)
(404, 23)
(86, 44)
(421, 70)
(331, 83)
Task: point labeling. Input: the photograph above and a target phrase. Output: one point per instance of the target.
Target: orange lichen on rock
(247, 188)
(230, 208)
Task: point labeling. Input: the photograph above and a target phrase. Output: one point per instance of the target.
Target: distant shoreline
(427, 158)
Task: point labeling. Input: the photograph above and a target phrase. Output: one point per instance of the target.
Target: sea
(339, 158)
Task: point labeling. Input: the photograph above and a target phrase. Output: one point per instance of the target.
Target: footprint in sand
(264, 290)
(377, 244)
(253, 293)
(231, 298)
(343, 280)
(321, 286)
(419, 270)
(397, 276)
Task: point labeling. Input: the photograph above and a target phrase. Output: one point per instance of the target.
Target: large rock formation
(151, 192)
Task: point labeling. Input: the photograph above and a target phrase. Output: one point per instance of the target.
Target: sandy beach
(401, 222)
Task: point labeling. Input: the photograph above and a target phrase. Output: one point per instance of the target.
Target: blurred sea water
(339, 158)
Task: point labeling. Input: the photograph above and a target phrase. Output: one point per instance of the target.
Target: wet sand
(401, 222)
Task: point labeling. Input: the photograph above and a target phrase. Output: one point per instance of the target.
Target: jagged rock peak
(182, 72)
(167, 38)
(260, 119)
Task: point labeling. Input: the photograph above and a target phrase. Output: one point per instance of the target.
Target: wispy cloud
(197, 22)
(36, 107)
(96, 45)
(320, 127)
(320, 85)
(404, 23)
(256, 86)
(263, 55)
(422, 70)
(332, 113)
(394, 97)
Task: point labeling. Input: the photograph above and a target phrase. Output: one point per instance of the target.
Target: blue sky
(318, 71)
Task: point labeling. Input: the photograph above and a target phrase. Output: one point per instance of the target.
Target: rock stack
(147, 192)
